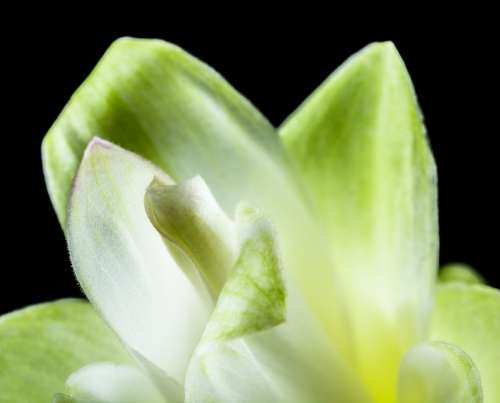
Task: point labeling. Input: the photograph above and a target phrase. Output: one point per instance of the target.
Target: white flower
(238, 263)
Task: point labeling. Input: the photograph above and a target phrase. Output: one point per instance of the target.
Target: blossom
(229, 261)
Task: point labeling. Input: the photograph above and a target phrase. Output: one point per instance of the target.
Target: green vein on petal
(253, 298)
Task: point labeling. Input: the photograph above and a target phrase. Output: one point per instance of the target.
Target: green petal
(40, 346)
(469, 316)
(247, 350)
(253, 298)
(193, 226)
(122, 264)
(438, 373)
(107, 382)
(361, 149)
(461, 273)
(153, 98)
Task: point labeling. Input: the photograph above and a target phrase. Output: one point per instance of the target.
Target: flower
(232, 262)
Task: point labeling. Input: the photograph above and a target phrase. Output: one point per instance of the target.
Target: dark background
(452, 65)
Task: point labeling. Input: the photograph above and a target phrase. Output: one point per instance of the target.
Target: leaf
(122, 264)
(156, 100)
(195, 228)
(248, 353)
(461, 273)
(360, 147)
(40, 346)
(108, 382)
(437, 373)
(469, 316)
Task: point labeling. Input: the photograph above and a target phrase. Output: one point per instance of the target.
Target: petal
(360, 147)
(40, 346)
(469, 316)
(113, 383)
(253, 298)
(193, 226)
(122, 264)
(436, 373)
(459, 272)
(247, 353)
(154, 99)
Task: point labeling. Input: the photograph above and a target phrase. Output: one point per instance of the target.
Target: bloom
(237, 263)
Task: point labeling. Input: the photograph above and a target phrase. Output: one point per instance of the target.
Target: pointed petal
(436, 373)
(107, 382)
(461, 273)
(158, 101)
(360, 147)
(122, 263)
(192, 224)
(40, 346)
(469, 316)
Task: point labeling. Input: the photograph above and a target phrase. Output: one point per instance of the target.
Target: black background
(452, 64)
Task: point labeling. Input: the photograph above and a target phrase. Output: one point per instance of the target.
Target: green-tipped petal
(193, 227)
(40, 346)
(158, 101)
(437, 373)
(469, 316)
(461, 273)
(361, 149)
(252, 300)
(247, 352)
(107, 382)
(122, 264)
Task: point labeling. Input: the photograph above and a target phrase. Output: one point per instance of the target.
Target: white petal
(122, 263)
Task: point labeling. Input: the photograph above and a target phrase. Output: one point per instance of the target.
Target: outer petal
(40, 346)
(153, 98)
(469, 316)
(361, 150)
(461, 273)
(438, 373)
(107, 382)
(247, 353)
(122, 263)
